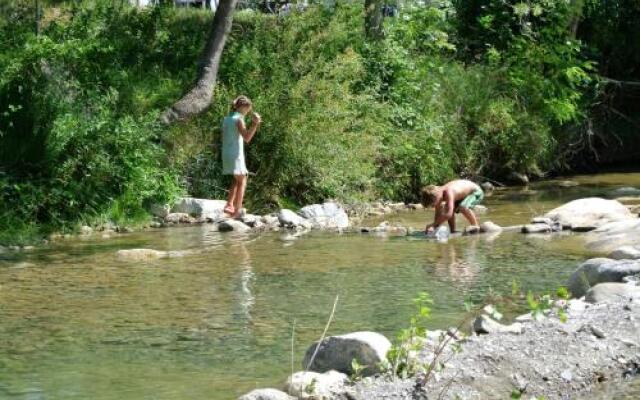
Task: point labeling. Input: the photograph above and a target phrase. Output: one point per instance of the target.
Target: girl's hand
(256, 118)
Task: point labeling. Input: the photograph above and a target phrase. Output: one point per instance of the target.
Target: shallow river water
(77, 323)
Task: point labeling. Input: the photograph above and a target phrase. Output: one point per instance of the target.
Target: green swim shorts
(470, 201)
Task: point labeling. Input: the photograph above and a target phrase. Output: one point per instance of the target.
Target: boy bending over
(459, 196)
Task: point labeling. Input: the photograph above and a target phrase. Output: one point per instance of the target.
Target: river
(78, 323)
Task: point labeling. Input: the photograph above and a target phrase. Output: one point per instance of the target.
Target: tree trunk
(200, 96)
(373, 18)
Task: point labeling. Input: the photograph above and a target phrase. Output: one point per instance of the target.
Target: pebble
(597, 332)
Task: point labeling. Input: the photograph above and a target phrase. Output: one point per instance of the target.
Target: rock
(176, 218)
(266, 394)
(614, 235)
(472, 230)
(567, 184)
(542, 220)
(251, 220)
(199, 207)
(289, 219)
(626, 191)
(626, 253)
(611, 292)
(489, 227)
(141, 254)
(480, 209)
(599, 270)
(518, 178)
(160, 210)
(588, 214)
(228, 225)
(312, 385)
(270, 220)
(485, 324)
(487, 186)
(325, 216)
(536, 228)
(86, 230)
(415, 206)
(337, 353)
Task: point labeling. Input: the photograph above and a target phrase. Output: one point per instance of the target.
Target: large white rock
(489, 227)
(290, 219)
(338, 352)
(312, 385)
(266, 394)
(485, 324)
(599, 270)
(325, 216)
(590, 213)
(626, 253)
(199, 207)
(612, 292)
(614, 235)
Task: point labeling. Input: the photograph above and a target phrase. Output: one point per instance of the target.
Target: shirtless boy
(459, 196)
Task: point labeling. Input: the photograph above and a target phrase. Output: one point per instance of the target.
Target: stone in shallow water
(228, 225)
(338, 352)
(590, 213)
(614, 235)
(489, 227)
(326, 216)
(626, 253)
(290, 219)
(536, 228)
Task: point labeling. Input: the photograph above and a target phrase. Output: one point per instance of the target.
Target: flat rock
(626, 191)
(199, 207)
(612, 292)
(626, 253)
(266, 394)
(599, 270)
(141, 254)
(588, 214)
(489, 227)
(614, 235)
(313, 385)
(326, 216)
(228, 225)
(338, 352)
(484, 324)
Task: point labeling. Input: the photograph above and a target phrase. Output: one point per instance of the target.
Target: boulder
(611, 236)
(518, 178)
(490, 227)
(626, 253)
(199, 207)
(588, 214)
(338, 352)
(312, 385)
(599, 270)
(266, 394)
(485, 324)
(160, 210)
(612, 292)
(228, 225)
(487, 186)
(290, 219)
(325, 216)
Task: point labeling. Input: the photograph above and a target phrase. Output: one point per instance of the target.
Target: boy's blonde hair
(239, 102)
(428, 195)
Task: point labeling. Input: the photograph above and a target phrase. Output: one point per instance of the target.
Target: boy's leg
(469, 215)
(452, 223)
(241, 185)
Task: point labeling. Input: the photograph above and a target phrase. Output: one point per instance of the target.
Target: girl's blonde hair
(240, 101)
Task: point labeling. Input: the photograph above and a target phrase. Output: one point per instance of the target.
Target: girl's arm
(247, 134)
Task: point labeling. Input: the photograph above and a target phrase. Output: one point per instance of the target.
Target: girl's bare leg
(233, 192)
(241, 185)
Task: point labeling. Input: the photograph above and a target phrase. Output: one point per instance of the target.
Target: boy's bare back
(460, 188)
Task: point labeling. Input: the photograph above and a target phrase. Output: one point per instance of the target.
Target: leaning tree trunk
(373, 18)
(200, 96)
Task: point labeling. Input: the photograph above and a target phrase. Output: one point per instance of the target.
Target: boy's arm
(441, 217)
